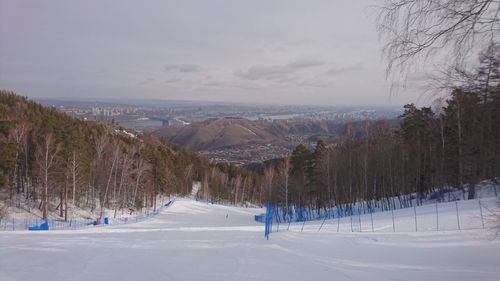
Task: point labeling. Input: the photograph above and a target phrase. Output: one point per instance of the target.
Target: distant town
(150, 116)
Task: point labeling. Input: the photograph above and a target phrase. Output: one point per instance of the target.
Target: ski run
(198, 241)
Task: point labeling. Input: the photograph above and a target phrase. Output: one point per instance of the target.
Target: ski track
(195, 241)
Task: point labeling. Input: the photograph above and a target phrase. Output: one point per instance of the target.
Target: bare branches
(485, 77)
(269, 174)
(46, 154)
(416, 30)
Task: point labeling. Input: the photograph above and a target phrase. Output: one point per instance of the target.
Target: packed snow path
(195, 241)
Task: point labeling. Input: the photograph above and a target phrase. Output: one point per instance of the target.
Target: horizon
(144, 101)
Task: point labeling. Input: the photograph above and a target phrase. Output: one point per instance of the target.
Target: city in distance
(237, 133)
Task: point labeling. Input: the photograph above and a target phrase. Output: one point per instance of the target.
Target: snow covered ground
(195, 241)
(23, 209)
(457, 215)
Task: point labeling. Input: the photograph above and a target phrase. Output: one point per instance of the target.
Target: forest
(453, 144)
(58, 161)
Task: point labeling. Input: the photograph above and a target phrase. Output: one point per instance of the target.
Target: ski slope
(197, 241)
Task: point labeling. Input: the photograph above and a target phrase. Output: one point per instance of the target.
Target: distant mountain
(302, 127)
(236, 132)
(317, 129)
(217, 133)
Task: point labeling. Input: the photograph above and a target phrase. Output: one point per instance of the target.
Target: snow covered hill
(199, 241)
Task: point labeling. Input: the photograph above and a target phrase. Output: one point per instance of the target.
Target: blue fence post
(277, 220)
(415, 211)
(393, 224)
(351, 221)
(359, 219)
(290, 221)
(437, 217)
(338, 220)
(321, 226)
(269, 220)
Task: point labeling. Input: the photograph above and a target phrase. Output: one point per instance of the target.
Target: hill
(217, 133)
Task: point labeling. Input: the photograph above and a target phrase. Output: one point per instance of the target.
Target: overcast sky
(301, 52)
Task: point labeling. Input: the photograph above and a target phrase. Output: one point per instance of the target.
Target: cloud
(276, 71)
(184, 68)
(305, 63)
(268, 50)
(313, 83)
(146, 81)
(343, 70)
(300, 42)
(172, 80)
(263, 72)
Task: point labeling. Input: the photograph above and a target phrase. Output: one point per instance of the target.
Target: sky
(291, 52)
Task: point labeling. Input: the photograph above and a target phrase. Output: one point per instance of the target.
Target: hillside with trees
(54, 160)
(215, 133)
(453, 144)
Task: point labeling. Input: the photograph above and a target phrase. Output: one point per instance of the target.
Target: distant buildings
(175, 122)
(246, 154)
(112, 111)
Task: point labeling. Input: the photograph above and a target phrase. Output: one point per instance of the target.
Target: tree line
(60, 162)
(452, 144)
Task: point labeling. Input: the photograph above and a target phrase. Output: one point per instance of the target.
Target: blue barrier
(260, 218)
(36, 224)
(300, 214)
(43, 226)
(290, 214)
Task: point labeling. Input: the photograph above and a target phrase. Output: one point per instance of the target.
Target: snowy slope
(22, 208)
(447, 216)
(195, 241)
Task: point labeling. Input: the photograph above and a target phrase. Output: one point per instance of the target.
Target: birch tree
(47, 151)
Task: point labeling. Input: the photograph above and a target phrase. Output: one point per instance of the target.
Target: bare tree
(205, 188)
(46, 155)
(237, 182)
(116, 155)
(100, 143)
(19, 136)
(420, 29)
(74, 166)
(269, 173)
(124, 176)
(285, 169)
(187, 177)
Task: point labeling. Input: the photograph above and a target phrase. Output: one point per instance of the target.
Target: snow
(469, 217)
(21, 208)
(195, 241)
(248, 130)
